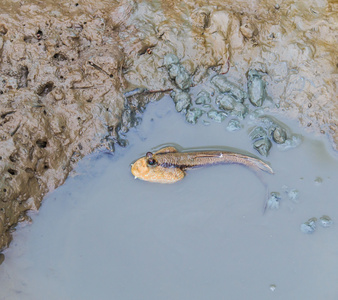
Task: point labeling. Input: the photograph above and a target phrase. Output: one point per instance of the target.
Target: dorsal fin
(169, 149)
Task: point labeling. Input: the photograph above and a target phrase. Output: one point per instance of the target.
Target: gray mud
(65, 67)
(106, 235)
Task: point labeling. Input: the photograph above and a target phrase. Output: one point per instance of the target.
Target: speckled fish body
(168, 166)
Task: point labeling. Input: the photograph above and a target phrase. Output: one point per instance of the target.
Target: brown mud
(65, 66)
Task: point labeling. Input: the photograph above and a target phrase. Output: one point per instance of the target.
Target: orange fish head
(141, 169)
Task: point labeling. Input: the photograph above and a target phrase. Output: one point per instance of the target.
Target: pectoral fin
(169, 149)
(169, 175)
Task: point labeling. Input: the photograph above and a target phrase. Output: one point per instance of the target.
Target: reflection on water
(105, 235)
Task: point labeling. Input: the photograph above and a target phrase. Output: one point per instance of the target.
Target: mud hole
(65, 68)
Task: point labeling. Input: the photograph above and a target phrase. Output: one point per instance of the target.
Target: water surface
(105, 235)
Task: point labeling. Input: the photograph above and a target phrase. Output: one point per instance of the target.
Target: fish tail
(251, 162)
(259, 164)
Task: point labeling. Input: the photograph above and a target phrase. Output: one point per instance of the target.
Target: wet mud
(75, 74)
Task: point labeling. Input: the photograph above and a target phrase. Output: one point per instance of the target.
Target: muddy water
(105, 235)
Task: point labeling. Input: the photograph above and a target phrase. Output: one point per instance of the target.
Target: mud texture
(65, 68)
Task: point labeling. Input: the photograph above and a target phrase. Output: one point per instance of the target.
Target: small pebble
(258, 133)
(240, 111)
(272, 287)
(122, 142)
(173, 70)
(176, 71)
(256, 88)
(234, 125)
(217, 116)
(274, 200)
(226, 102)
(110, 144)
(318, 180)
(293, 194)
(256, 114)
(170, 59)
(203, 97)
(182, 100)
(225, 86)
(279, 135)
(309, 226)
(263, 146)
(193, 114)
(325, 221)
(292, 142)
(183, 79)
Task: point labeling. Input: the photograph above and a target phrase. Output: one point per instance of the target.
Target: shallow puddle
(105, 235)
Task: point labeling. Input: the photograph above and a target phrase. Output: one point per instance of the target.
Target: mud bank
(65, 67)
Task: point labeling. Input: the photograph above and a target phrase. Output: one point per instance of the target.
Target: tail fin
(262, 165)
(254, 163)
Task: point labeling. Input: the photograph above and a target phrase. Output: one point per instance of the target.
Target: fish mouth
(134, 170)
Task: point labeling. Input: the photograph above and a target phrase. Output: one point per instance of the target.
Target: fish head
(147, 169)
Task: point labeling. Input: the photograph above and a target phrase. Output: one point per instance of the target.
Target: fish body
(168, 165)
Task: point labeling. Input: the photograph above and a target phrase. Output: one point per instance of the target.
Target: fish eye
(151, 162)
